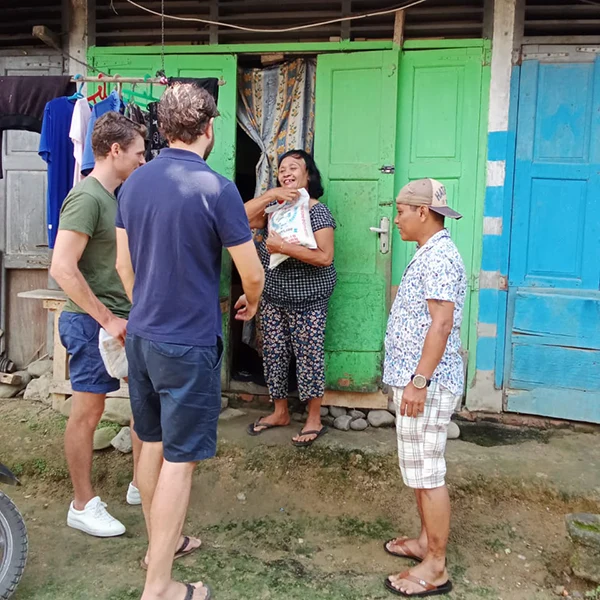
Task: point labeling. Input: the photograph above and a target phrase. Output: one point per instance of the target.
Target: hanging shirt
(156, 142)
(210, 84)
(56, 148)
(113, 102)
(79, 126)
(23, 99)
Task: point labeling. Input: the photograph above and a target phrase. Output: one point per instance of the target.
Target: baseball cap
(427, 192)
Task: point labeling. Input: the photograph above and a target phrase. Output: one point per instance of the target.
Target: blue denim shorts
(79, 335)
(175, 393)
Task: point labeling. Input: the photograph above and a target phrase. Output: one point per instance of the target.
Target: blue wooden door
(552, 367)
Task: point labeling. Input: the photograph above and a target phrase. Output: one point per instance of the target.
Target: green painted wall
(431, 114)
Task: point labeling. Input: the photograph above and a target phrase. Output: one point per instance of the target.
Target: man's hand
(117, 327)
(274, 243)
(413, 401)
(245, 310)
(283, 194)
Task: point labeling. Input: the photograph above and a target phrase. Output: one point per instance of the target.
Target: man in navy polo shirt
(175, 216)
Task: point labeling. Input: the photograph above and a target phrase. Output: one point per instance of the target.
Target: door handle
(384, 234)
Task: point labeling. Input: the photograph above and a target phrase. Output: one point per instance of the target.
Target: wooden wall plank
(26, 319)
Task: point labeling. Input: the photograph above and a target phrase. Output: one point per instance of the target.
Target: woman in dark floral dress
(293, 310)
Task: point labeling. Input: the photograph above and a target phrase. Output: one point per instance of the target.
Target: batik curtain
(277, 110)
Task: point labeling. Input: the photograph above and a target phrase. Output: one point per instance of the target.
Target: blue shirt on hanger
(56, 148)
(112, 102)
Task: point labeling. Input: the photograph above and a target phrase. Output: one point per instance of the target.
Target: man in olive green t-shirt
(84, 265)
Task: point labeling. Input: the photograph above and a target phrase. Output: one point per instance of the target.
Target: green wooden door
(222, 158)
(223, 66)
(441, 134)
(355, 131)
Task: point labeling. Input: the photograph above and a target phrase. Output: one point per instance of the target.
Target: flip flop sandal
(258, 423)
(183, 551)
(406, 551)
(318, 434)
(428, 588)
(191, 589)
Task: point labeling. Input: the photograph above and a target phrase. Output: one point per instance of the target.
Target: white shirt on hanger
(79, 125)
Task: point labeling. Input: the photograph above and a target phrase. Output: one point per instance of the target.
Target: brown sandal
(405, 549)
(428, 588)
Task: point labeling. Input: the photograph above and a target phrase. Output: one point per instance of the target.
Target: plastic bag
(291, 220)
(113, 355)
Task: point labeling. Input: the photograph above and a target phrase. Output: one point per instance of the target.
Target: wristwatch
(420, 381)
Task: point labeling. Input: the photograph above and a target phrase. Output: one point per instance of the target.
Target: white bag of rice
(291, 220)
(113, 355)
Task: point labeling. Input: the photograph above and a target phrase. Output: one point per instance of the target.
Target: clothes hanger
(77, 95)
(101, 94)
(138, 97)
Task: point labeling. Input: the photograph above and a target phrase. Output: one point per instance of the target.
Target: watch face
(419, 382)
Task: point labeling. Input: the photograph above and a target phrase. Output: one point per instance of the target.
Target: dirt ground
(278, 523)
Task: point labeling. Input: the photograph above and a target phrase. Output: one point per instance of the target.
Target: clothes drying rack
(118, 79)
(102, 80)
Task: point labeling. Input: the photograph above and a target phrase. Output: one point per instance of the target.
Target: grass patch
(374, 530)
(109, 425)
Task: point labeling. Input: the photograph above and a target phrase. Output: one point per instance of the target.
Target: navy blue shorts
(175, 393)
(79, 335)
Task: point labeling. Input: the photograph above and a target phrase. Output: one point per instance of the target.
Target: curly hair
(184, 112)
(114, 128)
(315, 186)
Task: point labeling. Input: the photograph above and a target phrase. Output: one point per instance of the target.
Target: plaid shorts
(422, 440)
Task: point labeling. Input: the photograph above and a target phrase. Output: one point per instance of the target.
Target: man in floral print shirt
(425, 371)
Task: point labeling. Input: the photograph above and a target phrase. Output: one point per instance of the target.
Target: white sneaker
(94, 519)
(133, 495)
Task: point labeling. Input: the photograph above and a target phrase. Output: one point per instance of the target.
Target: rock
(559, 589)
(343, 422)
(40, 367)
(585, 563)
(324, 411)
(357, 414)
(392, 406)
(359, 425)
(241, 497)
(122, 441)
(380, 418)
(453, 431)
(584, 529)
(297, 417)
(328, 420)
(117, 410)
(103, 437)
(65, 409)
(231, 413)
(10, 391)
(38, 390)
(224, 402)
(337, 411)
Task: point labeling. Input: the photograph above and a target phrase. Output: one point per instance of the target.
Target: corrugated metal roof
(121, 23)
(561, 18)
(18, 19)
